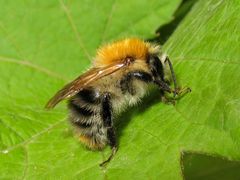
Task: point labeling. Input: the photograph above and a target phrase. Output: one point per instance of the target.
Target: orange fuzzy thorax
(120, 50)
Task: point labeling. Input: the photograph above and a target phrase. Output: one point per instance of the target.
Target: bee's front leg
(180, 92)
(108, 124)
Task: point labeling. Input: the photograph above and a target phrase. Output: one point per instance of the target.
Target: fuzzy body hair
(93, 134)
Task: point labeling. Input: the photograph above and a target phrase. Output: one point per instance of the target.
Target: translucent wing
(82, 81)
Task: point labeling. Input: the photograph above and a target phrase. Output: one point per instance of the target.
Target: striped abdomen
(85, 115)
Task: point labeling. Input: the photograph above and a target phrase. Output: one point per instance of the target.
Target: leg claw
(104, 163)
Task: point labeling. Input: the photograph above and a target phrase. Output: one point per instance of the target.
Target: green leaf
(45, 44)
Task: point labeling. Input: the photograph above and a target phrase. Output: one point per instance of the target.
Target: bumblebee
(119, 77)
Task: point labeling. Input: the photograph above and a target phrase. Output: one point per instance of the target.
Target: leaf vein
(11, 129)
(74, 28)
(183, 59)
(27, 141)
(33, 66)
(109, 18)
(26, 164)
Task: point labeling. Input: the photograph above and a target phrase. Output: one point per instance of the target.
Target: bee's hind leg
(108, 124)
(104, 163)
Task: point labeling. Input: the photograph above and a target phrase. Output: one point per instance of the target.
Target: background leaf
(197, 167)
(45, 44)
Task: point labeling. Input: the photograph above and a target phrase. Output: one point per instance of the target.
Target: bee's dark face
(155, 66)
